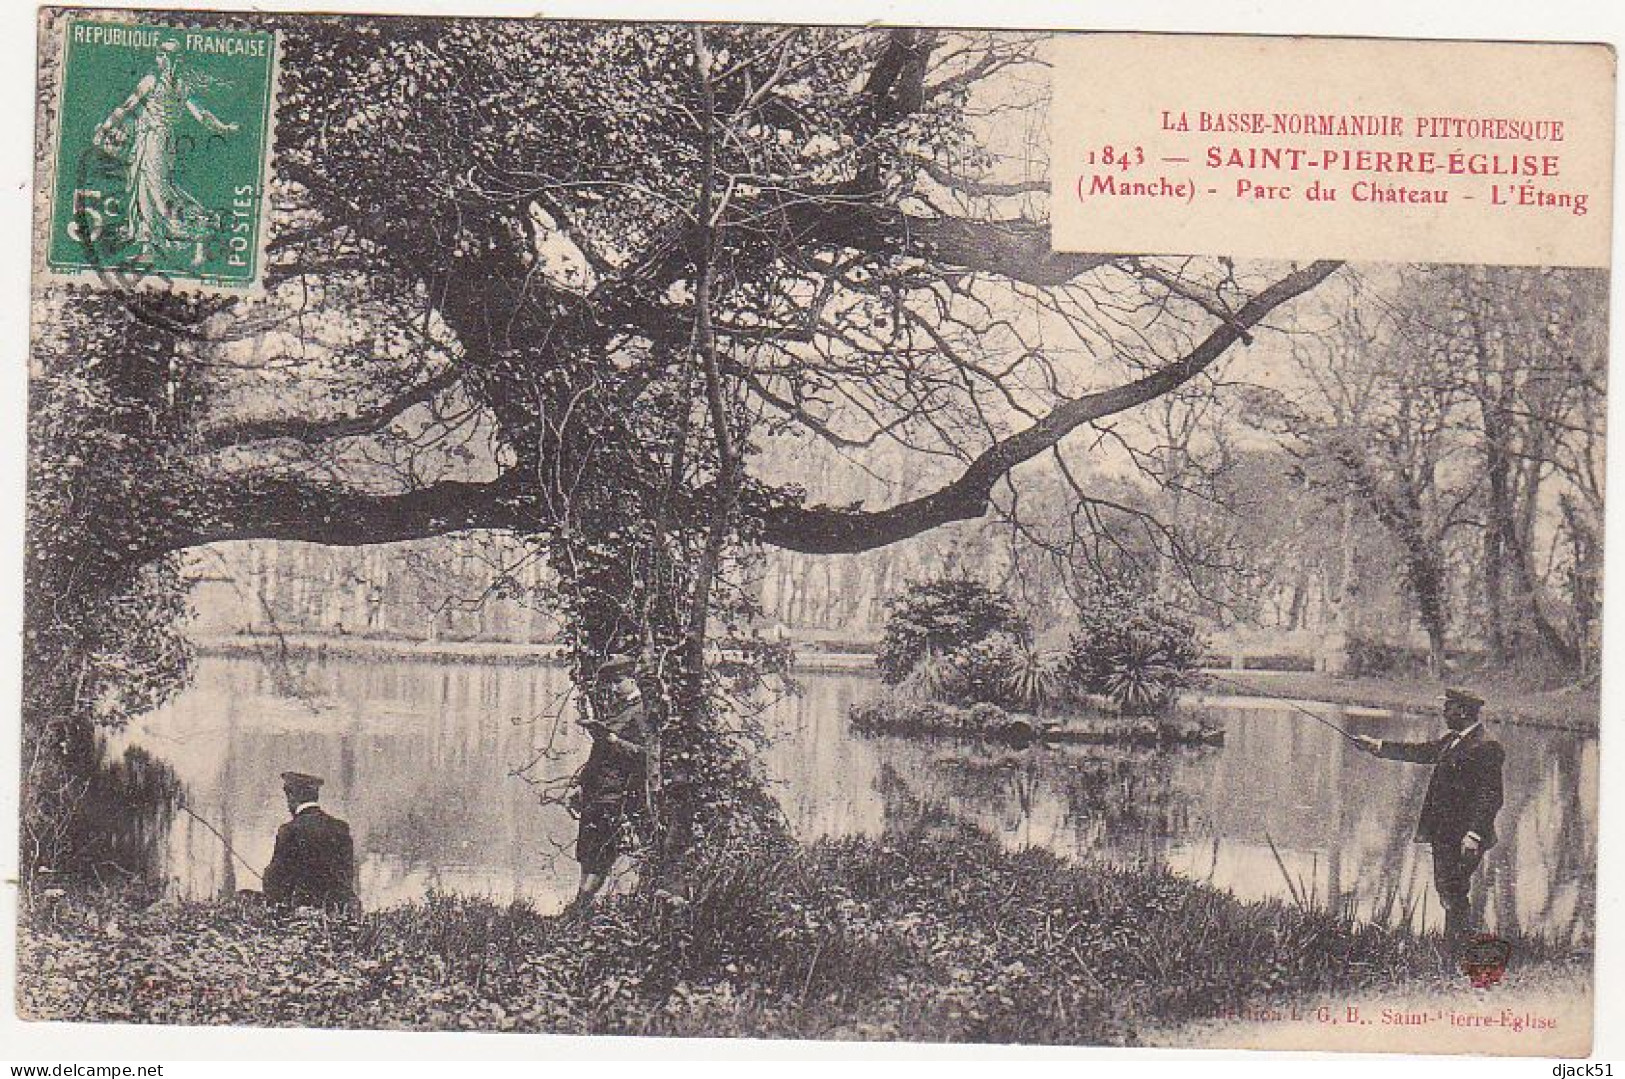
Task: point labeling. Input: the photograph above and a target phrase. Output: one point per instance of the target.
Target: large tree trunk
(641, 583)
(1399, 507)
(1562, 649)
(1427, 575)
(1583, 580)
(1498, 509)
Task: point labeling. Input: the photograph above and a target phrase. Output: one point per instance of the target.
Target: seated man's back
(314, 861)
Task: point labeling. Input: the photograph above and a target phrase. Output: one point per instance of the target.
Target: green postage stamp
(161, 155)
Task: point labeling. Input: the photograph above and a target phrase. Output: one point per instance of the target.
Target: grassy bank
(1508, 699)
(934, 935)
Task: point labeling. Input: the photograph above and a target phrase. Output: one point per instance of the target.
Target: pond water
(428, 763)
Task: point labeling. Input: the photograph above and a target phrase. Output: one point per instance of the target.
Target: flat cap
(1463, 698)
(301, 781)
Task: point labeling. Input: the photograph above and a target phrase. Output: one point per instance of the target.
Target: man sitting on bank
(314, 861)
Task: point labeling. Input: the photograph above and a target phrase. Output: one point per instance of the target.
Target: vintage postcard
(879, 533)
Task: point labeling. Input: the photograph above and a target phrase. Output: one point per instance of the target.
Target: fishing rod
(1252, 691)
(224, 841)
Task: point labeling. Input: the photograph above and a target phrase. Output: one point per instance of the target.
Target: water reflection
(124, 816)
(421, 759)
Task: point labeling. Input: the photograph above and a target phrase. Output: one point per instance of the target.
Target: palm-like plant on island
(1141, 679)
(1034, 681)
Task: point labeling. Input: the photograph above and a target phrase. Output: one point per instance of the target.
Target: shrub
(892, 714)
(1372, 656)
(1133, 648)
(1035, 680)
(932, 679)
(1141, 681)
(981, 673)
(940, 617)
(985, 718)
(927, 716)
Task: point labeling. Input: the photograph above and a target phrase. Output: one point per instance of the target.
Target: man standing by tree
(1463, 796)
(612, 782)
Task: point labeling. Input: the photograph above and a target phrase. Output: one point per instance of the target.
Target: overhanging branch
(966, 185)
(294, 509)
(829, 530)
(368, 422)
(1016, 248)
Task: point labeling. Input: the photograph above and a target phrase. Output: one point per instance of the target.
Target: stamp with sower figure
(161, 155)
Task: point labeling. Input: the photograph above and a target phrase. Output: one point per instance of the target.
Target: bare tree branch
(828, 530)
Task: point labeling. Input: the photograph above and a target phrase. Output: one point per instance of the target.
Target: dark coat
(1464, 793)
(612, 788)
(615, 770)
(314, 862)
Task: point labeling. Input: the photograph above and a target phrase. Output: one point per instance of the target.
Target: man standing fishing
(1463, 796)
(612, 783)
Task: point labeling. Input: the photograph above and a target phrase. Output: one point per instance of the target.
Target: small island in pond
(959, 660)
